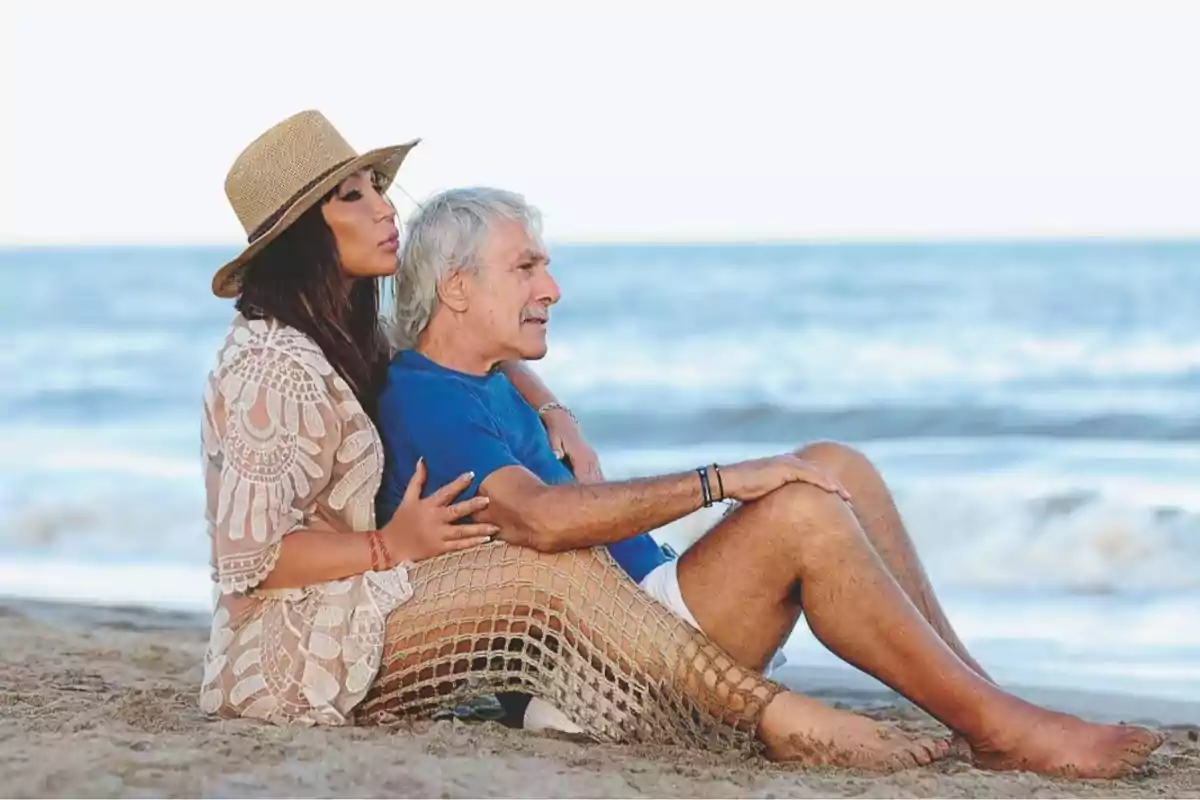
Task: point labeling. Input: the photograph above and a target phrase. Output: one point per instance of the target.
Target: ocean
(1033, 406)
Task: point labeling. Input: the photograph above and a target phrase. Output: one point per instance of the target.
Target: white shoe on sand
(540, 716)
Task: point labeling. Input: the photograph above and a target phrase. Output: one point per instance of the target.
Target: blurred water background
(1034, 407)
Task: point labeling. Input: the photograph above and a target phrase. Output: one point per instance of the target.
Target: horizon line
(633, 241)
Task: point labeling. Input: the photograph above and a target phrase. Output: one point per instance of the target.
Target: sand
(101, 702)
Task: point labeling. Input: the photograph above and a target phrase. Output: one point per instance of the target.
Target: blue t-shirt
(460, 422)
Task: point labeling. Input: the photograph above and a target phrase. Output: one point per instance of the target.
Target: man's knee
(835, 457)
(801, 502)
(796, 523)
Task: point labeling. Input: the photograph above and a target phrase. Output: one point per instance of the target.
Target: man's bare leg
(876, 511)
(800, 547)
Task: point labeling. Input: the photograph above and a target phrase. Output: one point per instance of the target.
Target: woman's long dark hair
(297, 280)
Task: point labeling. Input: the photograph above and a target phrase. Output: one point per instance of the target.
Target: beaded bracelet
(555, 406)
(381, 559)
(374, 551)
(388, 561)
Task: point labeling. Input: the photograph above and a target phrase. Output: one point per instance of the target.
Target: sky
(621, 120)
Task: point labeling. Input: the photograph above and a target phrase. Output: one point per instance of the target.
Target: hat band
(270, 221)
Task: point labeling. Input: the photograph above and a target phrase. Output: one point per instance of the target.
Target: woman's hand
(566, 439)
(424, 528)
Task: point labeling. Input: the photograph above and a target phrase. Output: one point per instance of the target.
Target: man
(816, 531)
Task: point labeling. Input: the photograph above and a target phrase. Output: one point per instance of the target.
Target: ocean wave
(977, 534)
(767, 422)
(1006, 513)
(868, 349)
(1078, 542)
(980, 536)
(1074, 543)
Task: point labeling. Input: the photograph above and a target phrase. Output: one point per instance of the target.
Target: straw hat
(283, 173)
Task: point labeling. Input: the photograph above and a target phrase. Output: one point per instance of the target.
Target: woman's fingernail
(486, 499)
(470, 475)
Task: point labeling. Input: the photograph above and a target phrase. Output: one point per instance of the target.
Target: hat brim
(384, 160)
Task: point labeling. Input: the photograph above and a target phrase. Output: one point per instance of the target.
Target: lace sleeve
(272, 432)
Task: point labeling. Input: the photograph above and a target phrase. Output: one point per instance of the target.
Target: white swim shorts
(662, 583)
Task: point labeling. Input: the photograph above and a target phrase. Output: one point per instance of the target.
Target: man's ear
(452, 290)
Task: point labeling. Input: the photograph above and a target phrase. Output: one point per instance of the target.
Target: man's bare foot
(799, 729)
(960, 747)
(1066, 746)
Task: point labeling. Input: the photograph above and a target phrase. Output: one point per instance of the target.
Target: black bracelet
(720, 483)
(705, 489)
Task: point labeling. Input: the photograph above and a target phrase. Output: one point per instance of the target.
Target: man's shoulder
(402, 374)
(428, 394)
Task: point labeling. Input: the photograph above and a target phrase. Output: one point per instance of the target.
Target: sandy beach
(101, 702)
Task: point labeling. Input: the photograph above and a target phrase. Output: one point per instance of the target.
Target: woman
(312, 598)
(266, 368)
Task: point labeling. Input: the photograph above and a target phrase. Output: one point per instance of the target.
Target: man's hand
(566, 439)
(750, 480)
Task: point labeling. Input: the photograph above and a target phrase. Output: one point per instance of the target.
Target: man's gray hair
(447, 232)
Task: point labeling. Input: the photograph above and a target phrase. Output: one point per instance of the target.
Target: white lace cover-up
(287, 446)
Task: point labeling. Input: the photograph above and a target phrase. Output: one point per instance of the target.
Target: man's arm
(564, 517)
